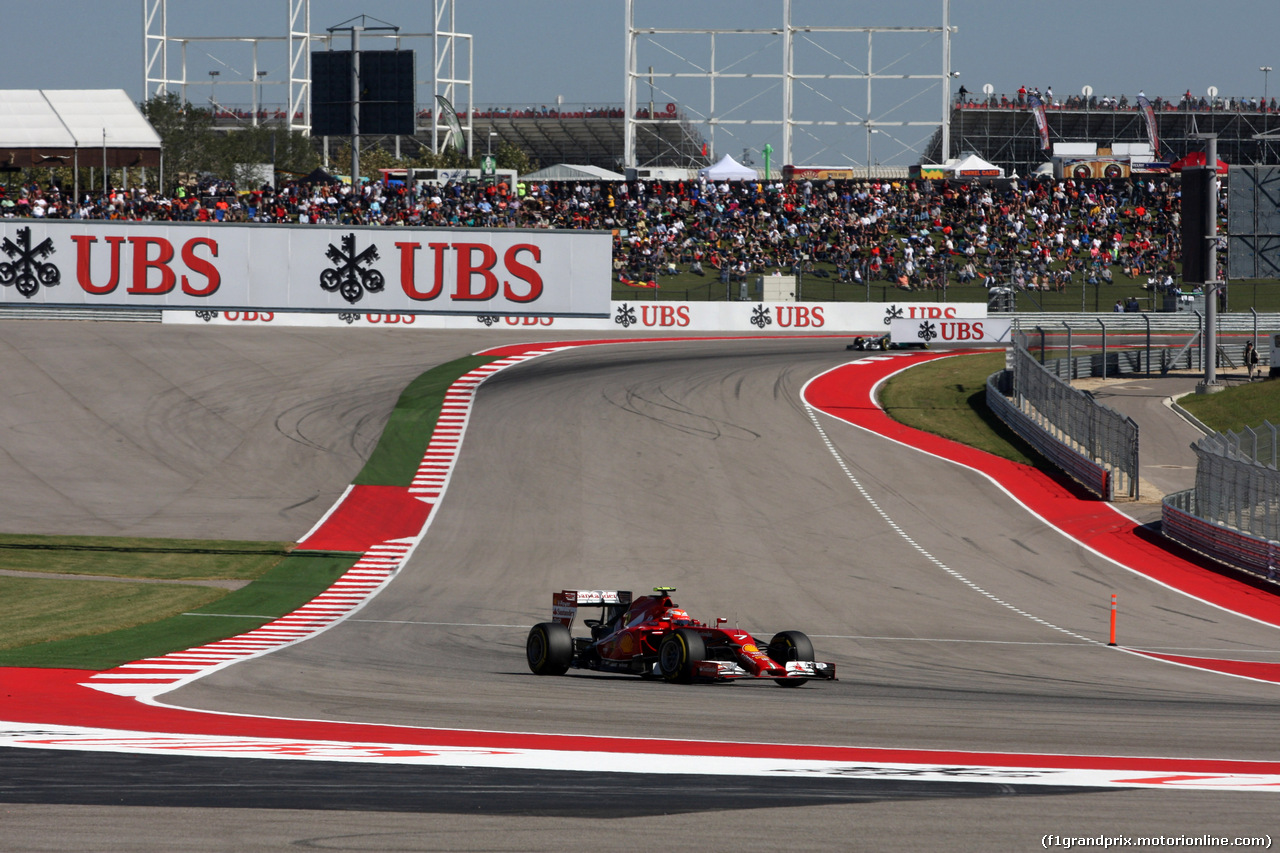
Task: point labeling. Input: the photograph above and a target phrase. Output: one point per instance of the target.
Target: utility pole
(355, 108)
(1207, 230)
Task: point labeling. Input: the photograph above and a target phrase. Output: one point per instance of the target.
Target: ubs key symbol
(348, 276)
(28, 271)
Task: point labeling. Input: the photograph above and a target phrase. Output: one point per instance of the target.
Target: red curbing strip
(52, 697)
(369, 515)
(1255, 670)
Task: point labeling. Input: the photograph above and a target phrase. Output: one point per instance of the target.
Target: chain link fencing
(1102, 439)
(1237, 481)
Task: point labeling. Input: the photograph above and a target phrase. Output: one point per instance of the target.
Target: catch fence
(1237, 481)
(1093, 443)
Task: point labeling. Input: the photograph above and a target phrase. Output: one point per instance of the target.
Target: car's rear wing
(565, 604)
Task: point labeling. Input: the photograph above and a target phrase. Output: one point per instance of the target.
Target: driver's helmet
(676, 616)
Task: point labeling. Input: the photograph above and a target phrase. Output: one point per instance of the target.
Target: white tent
(570, 172)
(727, 169)
(973, 166)
(54, 127)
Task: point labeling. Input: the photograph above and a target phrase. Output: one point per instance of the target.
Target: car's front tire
(790, 645)
(679, 654)
(549, 649)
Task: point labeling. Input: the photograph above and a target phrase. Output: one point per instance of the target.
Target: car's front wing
(715, 670)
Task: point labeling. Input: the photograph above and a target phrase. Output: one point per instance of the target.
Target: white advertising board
(965, 331)
(638, 317)
(277, 268)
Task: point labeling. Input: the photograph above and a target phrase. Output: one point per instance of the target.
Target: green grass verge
(404, 440)
(97, 625)
(947, 397)
(1236, 407)
(39, 610)
(160, 559)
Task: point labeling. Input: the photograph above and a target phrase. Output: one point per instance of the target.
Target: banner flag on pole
(450, 116)
(1042, 122)
(1149, 114)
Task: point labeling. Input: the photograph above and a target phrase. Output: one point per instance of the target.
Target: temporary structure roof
(569, 172)
(47, 127)
(728, 169)
(973, 166)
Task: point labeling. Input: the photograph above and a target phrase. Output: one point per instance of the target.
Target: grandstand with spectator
(1001, 127)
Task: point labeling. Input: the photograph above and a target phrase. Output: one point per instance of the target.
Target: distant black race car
(883, 342)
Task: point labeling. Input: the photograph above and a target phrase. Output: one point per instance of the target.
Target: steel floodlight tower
(155, 47)
(788, 77)
(299, 108)
(444, 47)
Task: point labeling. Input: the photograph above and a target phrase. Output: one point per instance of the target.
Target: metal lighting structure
(1266, 72)
(790, 34)
(257, 95)
(356, 30)
(450, 73)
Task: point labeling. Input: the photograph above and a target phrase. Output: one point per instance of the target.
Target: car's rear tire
(679, 654)
(549, 649)
(790, 645)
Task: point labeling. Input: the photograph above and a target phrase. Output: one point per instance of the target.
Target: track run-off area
(964, 599)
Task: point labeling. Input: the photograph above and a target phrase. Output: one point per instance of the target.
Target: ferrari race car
(651, 636)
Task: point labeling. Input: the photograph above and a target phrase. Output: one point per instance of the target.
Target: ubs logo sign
(238, 316)
(26, 269)
(800, 316)
(626, 316)
(348, 275)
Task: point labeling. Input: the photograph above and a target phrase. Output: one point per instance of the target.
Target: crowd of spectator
(1186, 102)
(580, 111)
(916, 235)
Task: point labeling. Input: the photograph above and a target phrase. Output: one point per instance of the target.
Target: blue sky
(532, 52)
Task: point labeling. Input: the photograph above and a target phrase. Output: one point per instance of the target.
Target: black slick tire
(679, 654)
(549, 649)
(790, 645)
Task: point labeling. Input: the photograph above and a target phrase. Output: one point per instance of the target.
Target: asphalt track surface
(690, 464)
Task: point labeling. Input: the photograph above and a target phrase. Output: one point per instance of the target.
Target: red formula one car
(652, 636)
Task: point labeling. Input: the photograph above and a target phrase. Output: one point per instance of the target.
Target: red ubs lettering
(475, 278)
(528, 321)
(800, 316)
(248, 316)
(961, 331)
(390, 319)
(930, 312)
(149, 254)
(664, 315)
